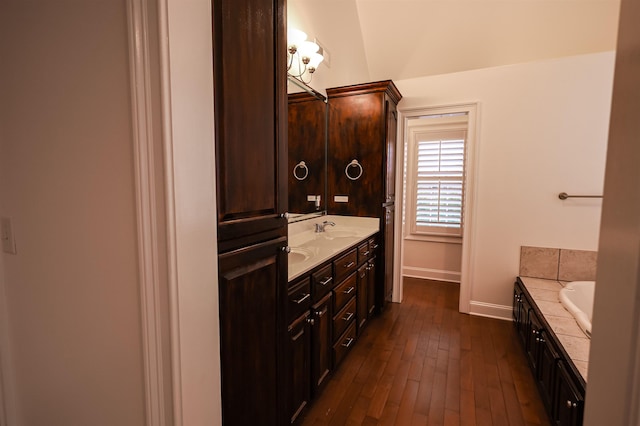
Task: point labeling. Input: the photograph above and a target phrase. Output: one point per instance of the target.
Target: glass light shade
(315, 60)
(295, 37)
(307, 48)
(296, 68)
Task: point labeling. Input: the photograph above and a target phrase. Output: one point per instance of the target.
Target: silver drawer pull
(366, 253)
(349, 265)
(349, 290)
(326, 281)
(305, 297)
(348, 342)
(348, 317)
(297, 336)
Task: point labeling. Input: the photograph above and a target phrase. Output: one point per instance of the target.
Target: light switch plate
(341, 198)
(6, 233)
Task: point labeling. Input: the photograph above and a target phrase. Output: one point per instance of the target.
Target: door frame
(472, 108)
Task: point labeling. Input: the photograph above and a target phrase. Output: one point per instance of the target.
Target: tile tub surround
(558, 264)
(545, 294)
(322, 246)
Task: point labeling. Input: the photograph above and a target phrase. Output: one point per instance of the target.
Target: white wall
(190, 148)
(336, 24)
(542, 130)
(66, 179)
(613, 395)
(432, 260)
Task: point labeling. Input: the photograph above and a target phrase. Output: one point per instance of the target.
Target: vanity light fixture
(303, 57)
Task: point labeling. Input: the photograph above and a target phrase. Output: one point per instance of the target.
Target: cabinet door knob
(571, 404)
(284, 215)
(311, 321)
(286, 249)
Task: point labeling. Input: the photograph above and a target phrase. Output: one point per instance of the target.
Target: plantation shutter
(439, 192)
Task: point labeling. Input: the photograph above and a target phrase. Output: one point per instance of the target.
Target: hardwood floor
(423, 363)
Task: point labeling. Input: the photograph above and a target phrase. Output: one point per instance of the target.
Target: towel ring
(353, 163)
(301, 165)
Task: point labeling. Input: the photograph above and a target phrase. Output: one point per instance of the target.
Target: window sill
(451, 239)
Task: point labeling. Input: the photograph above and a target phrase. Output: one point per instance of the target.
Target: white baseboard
(490, 310)
(431, 274)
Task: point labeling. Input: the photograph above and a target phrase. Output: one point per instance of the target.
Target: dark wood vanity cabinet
(561, 387)
(327, 307)
(251, 193)
(362, 127)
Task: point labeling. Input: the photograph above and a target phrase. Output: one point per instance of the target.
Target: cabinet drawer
(299, 298)
(363, 252)
(322, 282)
(344, 344)
(344, 292)
(344, 318)
(345, 264)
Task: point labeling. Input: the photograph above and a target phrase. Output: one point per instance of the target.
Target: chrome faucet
(320, 226)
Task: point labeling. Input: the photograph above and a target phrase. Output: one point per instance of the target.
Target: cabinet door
(356, 132)
(321, 315)
(362, 296)
(524, 327)
(298, 387)
(547, 369)
(569, 402)
(533, 341)
(391, 115)
(252, 285)
(371, 287)
(250, 110)
(387, 270)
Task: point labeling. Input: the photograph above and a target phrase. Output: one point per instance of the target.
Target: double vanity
(331, 296)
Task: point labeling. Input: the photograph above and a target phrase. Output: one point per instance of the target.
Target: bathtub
(577, 298)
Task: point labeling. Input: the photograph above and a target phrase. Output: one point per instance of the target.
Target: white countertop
(565, 327)
(310, 249)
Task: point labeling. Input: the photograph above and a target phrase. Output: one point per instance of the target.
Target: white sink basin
(298, 254)
(339, 233)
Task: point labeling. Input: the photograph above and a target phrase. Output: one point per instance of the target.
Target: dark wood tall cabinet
(251, 153)
(362, 128)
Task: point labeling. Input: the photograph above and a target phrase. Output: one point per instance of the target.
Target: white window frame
(452, 122)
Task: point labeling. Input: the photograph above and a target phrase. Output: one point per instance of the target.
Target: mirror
(307, 162)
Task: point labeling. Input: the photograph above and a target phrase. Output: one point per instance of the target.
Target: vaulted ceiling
(402, 39)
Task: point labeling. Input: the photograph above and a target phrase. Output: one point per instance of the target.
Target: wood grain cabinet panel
(321, 362)
(362, 126)
(250, 107)
(251, 192)
(299, 380)
(251, 288)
